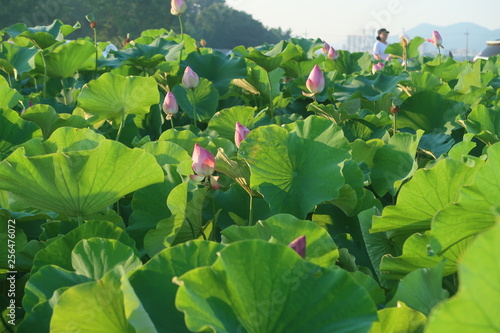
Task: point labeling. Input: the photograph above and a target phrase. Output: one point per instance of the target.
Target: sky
(333, 20)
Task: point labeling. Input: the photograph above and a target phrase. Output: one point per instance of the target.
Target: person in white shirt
(380, 45)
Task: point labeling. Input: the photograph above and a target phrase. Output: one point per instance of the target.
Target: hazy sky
(333, 20)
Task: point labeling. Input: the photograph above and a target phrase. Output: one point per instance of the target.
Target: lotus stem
(182, 36)
(121, 126)
(96, 52)
(250, 210)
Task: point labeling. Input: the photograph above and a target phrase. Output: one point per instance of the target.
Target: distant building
(360, 43)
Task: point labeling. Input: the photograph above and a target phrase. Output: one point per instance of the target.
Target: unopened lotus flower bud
(203, 161)
(190, 79)
(377, 67)
(326, 48)
(214, 184)
(240, 133)
(332, 54)
(170, 106)
(436, 39)
(178, 7)
(299, 246)
(315, 82)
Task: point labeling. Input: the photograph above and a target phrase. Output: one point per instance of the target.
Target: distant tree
(212, 20)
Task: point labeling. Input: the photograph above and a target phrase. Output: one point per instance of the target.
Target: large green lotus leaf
(184, 138)
(79, 183)
(149, 204)
(46, 117)
(349, 63)
(283, 229)
(114, 97)
(426, 81)
(17, 60)
(42, 285)
(417, 253)
(185, 201)
(285, 165)
(475, 307)
(352, 193)
(301, 68)
(394, 162)
(43, 36)
(436, 144)
(59, 251)
(66, 59)
(429, 111)
(8, 97)
(234, 207)
(15, 130)
(472, 77)
(377, 244)
(472, 212)
(260, 82)
(135, 312)
(95, 257)
(152, 282)
(150, 55)
(484, 123)
(64, 139)
(429, 191)
(411, 50)
(421, 289)
(38, 319)
(401, 319)
(201, 101)
(220, 70)
(224, 121)
(447, 70)
(256, 286)
(96, 306)
(371, 89)
(272, 59)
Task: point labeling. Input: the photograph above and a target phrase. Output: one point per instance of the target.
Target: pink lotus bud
(377, 67)
(170, 106)
(299, 246)
(332, 53)
(178, 7)
(214, 184)
(203, 161)
(326, 48)
(190, 79)
(315, 82)
(436, 39)
(240, 133)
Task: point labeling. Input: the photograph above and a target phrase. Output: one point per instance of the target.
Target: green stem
(171, 122)
(191, 95)
(250, 211)
(64, 93)
(80, 220)
(44, 76)
(121, 126)
(182, 36)
(394, 124)
(10, 80)
(96, 52)
(214, 219)
(36, 84)
(271, 109)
